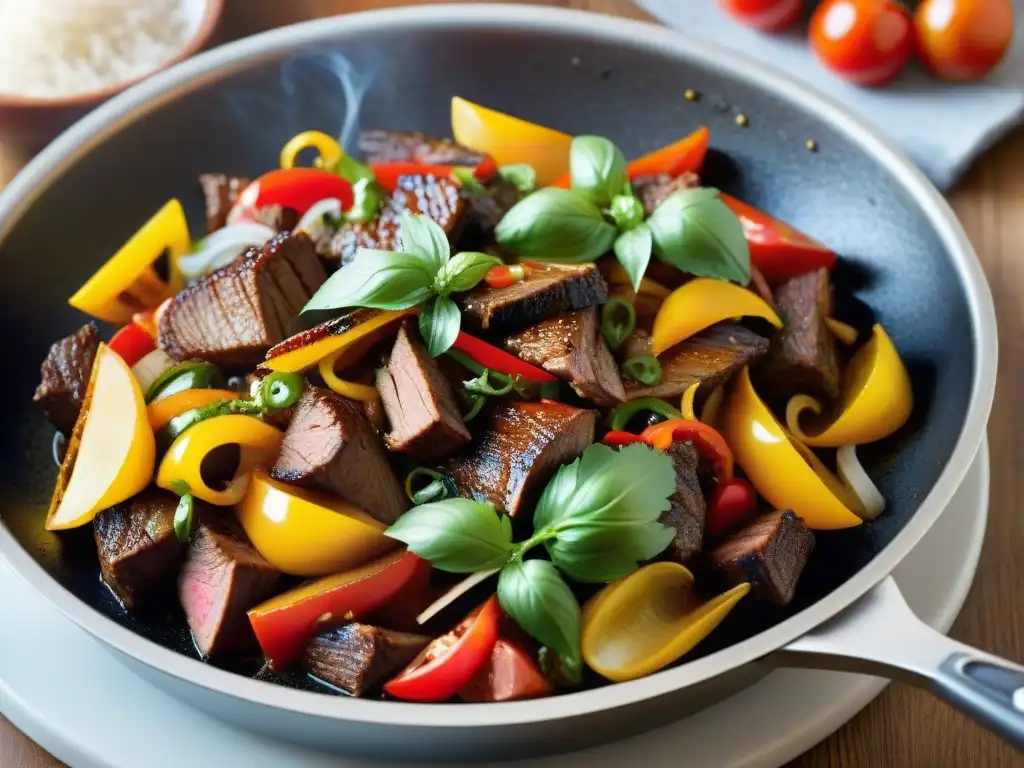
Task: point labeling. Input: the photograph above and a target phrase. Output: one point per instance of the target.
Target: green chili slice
(463, 176)
(280, 390)
(438, 488)
(618, 319)
(643, 368)
(481, 385)
(192, 374)
(621, 414)
(466, 361)
(183, 517)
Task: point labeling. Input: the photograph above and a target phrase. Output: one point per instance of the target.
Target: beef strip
(356, 657)
(223, 577)
(710, 357)
(803, 356)
(520, 446)
(137, 547)
(655, 189)
(278, 217)
(64, 377)
(549, 290)
(236, 314)
(770, 553)
(437, 198)
(486, 209)
(331, 445)
(420, 403)
(379, 146)
(220, 191)
(686, 515)
(570, 347)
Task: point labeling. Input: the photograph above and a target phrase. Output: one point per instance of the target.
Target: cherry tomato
(866, 42)
(766, 15)
(963, 39)
(503, 277)
(732, 503)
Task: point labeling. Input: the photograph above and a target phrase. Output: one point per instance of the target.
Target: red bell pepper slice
(733, 502)
(284, 623)
(388, 174)
(498, 360)
(776, 249)
(707, 439)
(132, 343)
(509, 674)
(450, 661)
(296, 188)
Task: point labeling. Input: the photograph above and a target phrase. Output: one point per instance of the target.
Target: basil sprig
(692, 229)
(424, 275)
(597, 519)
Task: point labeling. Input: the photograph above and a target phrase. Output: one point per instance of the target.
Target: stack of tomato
(868, 42)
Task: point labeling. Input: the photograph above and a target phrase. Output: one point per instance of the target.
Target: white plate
(63, 690)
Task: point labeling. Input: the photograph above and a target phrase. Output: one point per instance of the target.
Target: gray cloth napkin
(942, 126)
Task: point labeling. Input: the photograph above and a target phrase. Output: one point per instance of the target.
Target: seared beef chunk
(330, 445)
(550, 290)
(355, 657)
(379, 146)
(803, 355)
(710, 357)
(570, 347)
(521, 445)
(236, 314)
(686, 515)
(489, 207)
(438, 198)
(655, 189)
(65, 377)
(221, 192)
(419, 403)
(136, 544)
(770, 553)
(223, 577)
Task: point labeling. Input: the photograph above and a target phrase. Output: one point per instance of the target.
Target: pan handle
(879, 635)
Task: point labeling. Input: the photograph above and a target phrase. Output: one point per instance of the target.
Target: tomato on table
(766, 15)
(963, 40)
(867, 42)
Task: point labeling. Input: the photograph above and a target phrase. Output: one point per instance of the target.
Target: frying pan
(906, 263)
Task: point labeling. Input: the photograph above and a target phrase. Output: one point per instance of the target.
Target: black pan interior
(893, 262)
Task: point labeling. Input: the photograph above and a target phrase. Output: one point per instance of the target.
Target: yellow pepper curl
(847, 334)
(329, 152)
(349, 389)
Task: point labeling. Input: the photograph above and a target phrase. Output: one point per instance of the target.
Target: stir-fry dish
(470, 419)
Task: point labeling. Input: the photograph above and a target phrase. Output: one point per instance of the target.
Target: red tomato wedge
(132, 343)
(732, 503)
(284, 623)
(450, 661)
(509, 674)
(296, 188)
(776, 249)
(498, 359)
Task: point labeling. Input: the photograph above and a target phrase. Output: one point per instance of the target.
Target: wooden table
(903, 727)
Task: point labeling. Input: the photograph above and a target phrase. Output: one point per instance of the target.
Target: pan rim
(141, 99)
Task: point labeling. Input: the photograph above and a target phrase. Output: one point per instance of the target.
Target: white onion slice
(222, 247)
(316, 212)
(454, 594)
(852, 473)
(150, 368)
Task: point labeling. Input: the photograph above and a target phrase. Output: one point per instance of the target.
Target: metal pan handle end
(879, 635)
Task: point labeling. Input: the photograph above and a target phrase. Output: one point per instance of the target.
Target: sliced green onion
(183, 516)
(520, 175)
(621, 414)
(474, 404)
(481, 385)
(464, 177)
(618, 319)
(437, 489)
(466, 361)
(643, 368)
(280, 390)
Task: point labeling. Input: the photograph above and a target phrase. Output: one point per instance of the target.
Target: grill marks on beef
(710, 358)
(570, 347)
(655, 189)
(236, 314)
(803, 358)
(137, 548)
(220, 192)
(420, 403)
(65, 377)
(550, 290)
(770, 552)
(380, 146)
(223, 577)
(521, 444)
(356, 657)
(331, 445)
(687, 513)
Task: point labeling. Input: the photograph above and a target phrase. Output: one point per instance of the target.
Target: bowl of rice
(61, 58)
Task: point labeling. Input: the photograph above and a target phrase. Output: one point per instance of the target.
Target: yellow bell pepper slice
(350, 389)
(305, 533)
(111, 452)
(127, 283)
(701, 303)
(875, 401)
(846, 334)
(328, 150)
(349, 345)
(782, 469)
(182, 464)
(160, 412)
(645, 621)
(509, 139)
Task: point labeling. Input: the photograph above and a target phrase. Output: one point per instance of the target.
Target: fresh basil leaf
(556, 225)
(423, 236)
(456, 535)
(376, 279)
(533, 594)
(633, 250)
(520, 175)
(696, 232)
(439, 325)
(597, 168)
(601, 554)
(555, 498)
(469, 183)
(463, 271)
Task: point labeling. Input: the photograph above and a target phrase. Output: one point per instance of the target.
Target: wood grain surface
(903, 727)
